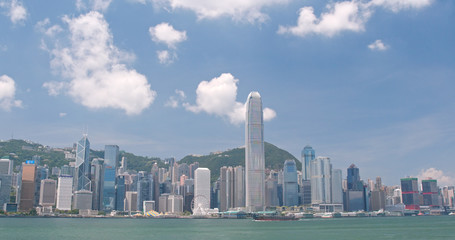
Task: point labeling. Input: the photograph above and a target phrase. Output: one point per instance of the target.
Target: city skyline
(374, 91)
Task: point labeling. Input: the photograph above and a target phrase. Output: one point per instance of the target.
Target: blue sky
(369, 82)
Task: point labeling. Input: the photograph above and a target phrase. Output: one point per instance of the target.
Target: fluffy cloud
(165, 33)
(218, 97)
(7, 93)
(62, 114)
(43, 27)
(341, 16)
(97, 5)
(238, 10)
(378, 45)
(96, 69)
(15, 11)
(344, 16)
(433, 173)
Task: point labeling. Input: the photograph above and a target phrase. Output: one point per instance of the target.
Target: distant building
(271, 192)
(131, 201)
(47, 193)
(239, 187)
(430, 193)
(27, 197)
(290, 186)
(337, 189)
(64, 192)
(163, 202)
(144, 189)
(410, 193)
(6, 166)
(111, 161)
(254, 154)
(82, 167)
(308, 155)
(175, 204)
(226, 188)
(97, 180)
(355, 196)
(321, 180)
(120, 190)
(5, 189)
(448, 196)
(148, 206)
(201, 190)
(82, 200)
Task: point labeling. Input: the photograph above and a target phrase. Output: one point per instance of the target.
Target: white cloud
(7, 93)
(15, 10)
(344, 16)
(43, 27)
(397, 5)
(218, 97)
(238, 10)
(165, 33)
(378, 45)
(174, 101)
(96, 69)
(433, 173)
(62, 114)
(166, 57)
(97, 5)
(341, 16)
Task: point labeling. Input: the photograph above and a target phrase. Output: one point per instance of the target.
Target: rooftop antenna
(85, 131)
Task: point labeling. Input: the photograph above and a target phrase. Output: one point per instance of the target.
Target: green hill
(274, 159)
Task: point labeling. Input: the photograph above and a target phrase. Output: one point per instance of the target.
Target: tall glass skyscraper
(290, 186)
(111, 159)
(82, 176)
(321, 180)
(308, 155)
(254, 154)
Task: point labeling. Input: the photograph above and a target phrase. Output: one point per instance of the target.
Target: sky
(369, 82)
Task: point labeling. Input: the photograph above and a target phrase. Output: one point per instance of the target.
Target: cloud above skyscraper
(218, 97)
(433, 173)
(96, 69)
(165, 33)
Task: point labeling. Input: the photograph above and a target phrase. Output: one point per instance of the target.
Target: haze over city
(364, 82)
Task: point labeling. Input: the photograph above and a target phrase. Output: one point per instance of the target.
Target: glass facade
(290, 186)
(254, 154)
(410, 193)
(308, 155)
(111, 159)
(82, 176)
(321, 180)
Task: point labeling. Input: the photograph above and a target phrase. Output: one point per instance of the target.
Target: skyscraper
(28, 187)
(239, 187)
(47, 193)
(337, 189)
(254, 154)
(201, 190)
(355, 197)
(290, 186)
(6, 171)
(353, 178)
(97, 179)
(6, 166)
(111, 159)
(430, 192)
(410, 193)
(321, 180)
(308, 155)
(82, 175)
(64, 192)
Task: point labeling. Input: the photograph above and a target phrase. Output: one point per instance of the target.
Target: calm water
(425, 227)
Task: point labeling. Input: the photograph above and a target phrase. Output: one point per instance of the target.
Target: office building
(27, 197)
(290, 186)
(64, 192)
(271, 192)
(163, 202)
(120, 190)
(6, 166)
(308, 155)
(410, 193)
(239, 187)
(47, 193)
(5, 189)
(337, 189)
(130, 201)
(254, 154)
(201, 190)
(175, 204)
(111, 159)
(321, 179)
(82, 200)
(355, 196)
(97, 180)
(82, 167)
(226, 188)
(144, 189)
(430, 192)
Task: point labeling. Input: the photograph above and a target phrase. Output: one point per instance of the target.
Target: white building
(64, 192)
(201, 191)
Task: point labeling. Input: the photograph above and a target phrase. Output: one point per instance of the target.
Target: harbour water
(370, 228)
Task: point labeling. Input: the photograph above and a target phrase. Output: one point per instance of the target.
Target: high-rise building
(354, 182)
(193, 168)
(120, 190)
(82, 168)
(5, 189)
(47, 193)
(82, 200)
(6, 166)
(131, 201)
(254, 154)
(321, 179)
(111, 159)
(271, 192)
(64, 192)
(430, 193)
(97, 180)
(337, 189)
(27, 198)
(308, 155)
(239, 187)
(448, 196)
(144, 189)
(290, 186)
(175, 204)
(410, 193)
(355, 196)
(201, 190)
(226, 188)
